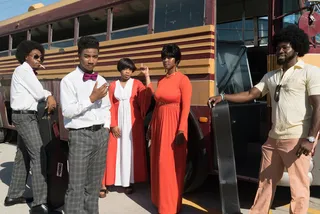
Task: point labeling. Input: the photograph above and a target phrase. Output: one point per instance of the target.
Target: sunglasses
(276, 96)
(36, 57)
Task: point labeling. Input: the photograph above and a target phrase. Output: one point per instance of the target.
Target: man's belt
(24, 112)
(91, 128)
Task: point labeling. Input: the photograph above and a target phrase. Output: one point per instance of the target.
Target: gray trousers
(87, 160)
(30, 148)
(20, 170)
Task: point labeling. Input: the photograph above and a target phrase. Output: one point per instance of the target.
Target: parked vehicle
(221, 50)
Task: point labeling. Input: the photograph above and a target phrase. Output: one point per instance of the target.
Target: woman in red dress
(126, 155)
(169, 128)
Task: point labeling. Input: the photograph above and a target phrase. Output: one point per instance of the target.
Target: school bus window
(63, 32)
(294, 18)
(263, 30)
(130, 19)
(95, 24)
(233, 73)
(289, 5)
(4, 46)
(40, 34)
(129, 32)
(17, 39)
(232, 31)
(178, 14)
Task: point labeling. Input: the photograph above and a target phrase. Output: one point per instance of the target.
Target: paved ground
(204, 200)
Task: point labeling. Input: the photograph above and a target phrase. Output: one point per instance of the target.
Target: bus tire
(197, 160)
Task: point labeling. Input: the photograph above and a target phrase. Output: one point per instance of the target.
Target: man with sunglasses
(26, 92)
(295, 99)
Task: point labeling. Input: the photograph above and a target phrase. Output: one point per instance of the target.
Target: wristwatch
(311, 139)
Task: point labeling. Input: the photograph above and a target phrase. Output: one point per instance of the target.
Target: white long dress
(124, 162)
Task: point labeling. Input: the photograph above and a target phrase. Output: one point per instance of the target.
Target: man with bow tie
(86, 112)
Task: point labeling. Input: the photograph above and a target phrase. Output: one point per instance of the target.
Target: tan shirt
(291, 115)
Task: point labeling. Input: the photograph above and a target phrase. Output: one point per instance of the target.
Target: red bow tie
(92, 76)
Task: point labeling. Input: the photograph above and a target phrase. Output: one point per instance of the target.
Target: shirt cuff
(107, 125)
(47, 94)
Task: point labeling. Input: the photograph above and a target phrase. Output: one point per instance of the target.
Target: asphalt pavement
(205, 200)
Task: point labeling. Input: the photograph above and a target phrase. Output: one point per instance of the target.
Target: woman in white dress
(126, 155)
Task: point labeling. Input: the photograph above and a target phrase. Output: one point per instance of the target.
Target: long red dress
(168, 160)
(139, 98)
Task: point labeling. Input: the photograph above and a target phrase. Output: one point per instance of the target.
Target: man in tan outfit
(295, 96)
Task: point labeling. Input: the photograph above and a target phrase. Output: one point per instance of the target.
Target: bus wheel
(197, 160)
(3, 133)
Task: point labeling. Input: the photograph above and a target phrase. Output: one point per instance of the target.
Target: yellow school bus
(225, 44)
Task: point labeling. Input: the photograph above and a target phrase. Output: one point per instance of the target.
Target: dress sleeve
(186, 93)
(144, 97)
(112, 109)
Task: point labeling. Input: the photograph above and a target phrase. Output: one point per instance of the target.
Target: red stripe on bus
(156, 59)
(208, 47)
(153, 40)
(105, 51)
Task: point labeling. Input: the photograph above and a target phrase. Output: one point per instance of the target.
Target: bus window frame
(129, 28)
(208, 19)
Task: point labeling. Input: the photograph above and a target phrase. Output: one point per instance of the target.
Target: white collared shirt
(26, 90)
(291, 115)
(77, 109)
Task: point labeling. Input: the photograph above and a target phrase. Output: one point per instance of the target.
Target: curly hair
(87, 42)
(24, 49)
(298, 39)
(126, 63)
(171, 50)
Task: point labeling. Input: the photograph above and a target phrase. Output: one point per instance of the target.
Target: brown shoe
(128, 190)
(103, 193)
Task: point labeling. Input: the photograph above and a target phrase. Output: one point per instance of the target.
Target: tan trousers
(277, 154)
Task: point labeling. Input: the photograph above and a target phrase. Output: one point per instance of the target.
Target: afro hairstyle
(24, 49)
(298, 39)
(87, 42)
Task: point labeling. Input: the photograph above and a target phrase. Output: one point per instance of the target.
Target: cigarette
(42, 66)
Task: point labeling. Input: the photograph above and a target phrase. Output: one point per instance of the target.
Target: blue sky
(11, 8)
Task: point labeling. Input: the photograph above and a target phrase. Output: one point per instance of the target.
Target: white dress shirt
(77, 109)
(26, 90)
